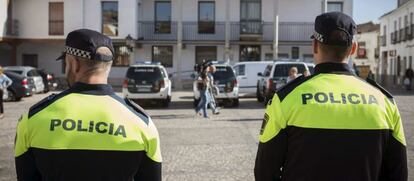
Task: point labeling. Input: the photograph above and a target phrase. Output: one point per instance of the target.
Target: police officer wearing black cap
(332, 126)
(87, 132)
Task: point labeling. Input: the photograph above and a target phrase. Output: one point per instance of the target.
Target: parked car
(311, 67)
(246, 73)
(147, 81)
(48, 80)
(226, 82)
(19, 88)
(274, 77)
(29, 73)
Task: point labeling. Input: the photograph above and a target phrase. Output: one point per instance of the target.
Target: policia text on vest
(341, 98)
(98, 127)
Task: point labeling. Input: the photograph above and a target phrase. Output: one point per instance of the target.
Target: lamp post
(130, 42)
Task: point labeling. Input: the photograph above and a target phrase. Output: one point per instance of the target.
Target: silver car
(29, 73)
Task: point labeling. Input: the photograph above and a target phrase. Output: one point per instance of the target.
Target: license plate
(144, 89)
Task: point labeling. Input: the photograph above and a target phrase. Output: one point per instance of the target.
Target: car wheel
(258, 96)
(11, 96)
(235, 102)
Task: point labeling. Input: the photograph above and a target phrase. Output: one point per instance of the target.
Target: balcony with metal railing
(216, 31)
(157, 31)
(383, 40)
(403, 34)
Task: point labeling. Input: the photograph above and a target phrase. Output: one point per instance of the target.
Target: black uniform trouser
(1, 101)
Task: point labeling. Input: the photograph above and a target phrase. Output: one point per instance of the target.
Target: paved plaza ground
(220, 148)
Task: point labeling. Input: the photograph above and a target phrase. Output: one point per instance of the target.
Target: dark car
(19, 88)
(48, 80)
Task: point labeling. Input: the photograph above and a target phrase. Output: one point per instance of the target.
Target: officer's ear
(315, 47)
(76, 66)
(354, 48)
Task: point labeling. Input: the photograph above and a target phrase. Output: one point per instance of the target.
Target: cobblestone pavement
(220, 148)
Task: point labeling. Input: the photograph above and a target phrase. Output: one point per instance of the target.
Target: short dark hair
(336, 52)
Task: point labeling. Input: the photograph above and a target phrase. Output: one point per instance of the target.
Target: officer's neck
(330, 60)
(94, 79)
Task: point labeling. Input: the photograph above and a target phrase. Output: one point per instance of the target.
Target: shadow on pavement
(185, 104)
(172, 116)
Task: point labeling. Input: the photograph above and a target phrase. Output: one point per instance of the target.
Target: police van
(147, 81)
(226, 87)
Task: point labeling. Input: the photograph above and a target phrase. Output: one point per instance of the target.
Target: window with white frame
(335, 6)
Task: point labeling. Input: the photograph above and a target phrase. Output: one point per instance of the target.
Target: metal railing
(295, 31)
(383, 40)
(193, 31)
(251, 27)
(403, 34)
(147, 32)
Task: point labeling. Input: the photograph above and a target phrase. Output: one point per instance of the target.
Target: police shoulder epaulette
(376, 85)
(45, 102)
(289, 87)
(138, 110)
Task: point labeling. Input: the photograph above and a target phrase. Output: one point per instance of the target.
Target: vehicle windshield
(223, 74)
(144, 73)
(283, 69)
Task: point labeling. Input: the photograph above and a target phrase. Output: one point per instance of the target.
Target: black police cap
(327, 23)
(84, 43)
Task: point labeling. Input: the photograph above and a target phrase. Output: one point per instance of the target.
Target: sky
(371, 10)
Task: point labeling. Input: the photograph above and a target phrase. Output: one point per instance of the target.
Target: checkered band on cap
(318, 36)
(78, 53)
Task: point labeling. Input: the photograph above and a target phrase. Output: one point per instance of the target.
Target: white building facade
(397, 43)
(367, 56)
(177, 33)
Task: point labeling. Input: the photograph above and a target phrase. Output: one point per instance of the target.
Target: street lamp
(130, 42)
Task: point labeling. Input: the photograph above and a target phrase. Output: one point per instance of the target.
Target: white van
(246, 73)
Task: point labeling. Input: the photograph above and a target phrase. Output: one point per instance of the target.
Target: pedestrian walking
(332, 125)
(87, 132)
(408, 81)
(293, 74)
(212, 91)
(4, 83)
(203, 86)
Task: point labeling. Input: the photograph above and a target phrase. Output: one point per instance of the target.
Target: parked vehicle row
(27, 81)
(149, 81)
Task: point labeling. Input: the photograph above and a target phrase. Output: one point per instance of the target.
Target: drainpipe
(227, 35)
(324, 6)
(276, 30)
(179, 44)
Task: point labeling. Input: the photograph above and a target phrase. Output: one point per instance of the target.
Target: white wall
(290, 10)
(3, 17)
(371, 43)
(47, 55)
(33, 16)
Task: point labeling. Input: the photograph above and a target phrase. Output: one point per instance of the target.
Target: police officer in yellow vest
(87, 132)
(332, 126)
